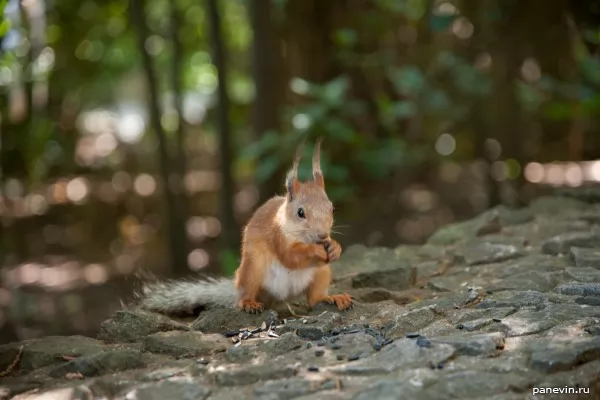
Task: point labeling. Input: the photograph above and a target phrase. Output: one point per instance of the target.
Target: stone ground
(488, 309)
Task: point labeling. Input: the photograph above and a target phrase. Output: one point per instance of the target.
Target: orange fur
(280, 239)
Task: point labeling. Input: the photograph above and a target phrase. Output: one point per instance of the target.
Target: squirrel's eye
(301, 212)
(332, 209)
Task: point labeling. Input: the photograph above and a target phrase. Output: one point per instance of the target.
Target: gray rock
(553, 355)
(579, 289)
(225, 319)
(482, 344)
(291, 388)
(585, 257)
(588, 193)
(585, 377)
(356, 344)
(561, 244)
(392, 279)
(101, 363)
(287, 342)
(475, 325)
(403, 353)
(392, 389)
(191, 344)
(583, 274)
(311, 328)
(574, 327)
(459, 231)
(469, 314)
(247, 375)
(440, 327)
(593, 330)
(488, 222)
(361, 267)
(487, 253)
(408, 322)
(518, 299)
(180, 388)
(38, 353)
(588, 301)
(527, 322)
(444, 302)
(554, 205)
(529, 280)
(272, 348)
(132, 325)
(473, 384)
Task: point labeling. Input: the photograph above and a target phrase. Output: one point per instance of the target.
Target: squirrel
(286, 251)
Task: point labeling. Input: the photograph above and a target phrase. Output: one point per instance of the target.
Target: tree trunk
(176, 86)
(176, 228)
(266, 66)
(229, 230)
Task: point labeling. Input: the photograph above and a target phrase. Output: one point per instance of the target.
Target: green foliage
(441, 22)
(229, 260)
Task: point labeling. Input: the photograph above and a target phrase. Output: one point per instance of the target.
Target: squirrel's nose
(322, 236)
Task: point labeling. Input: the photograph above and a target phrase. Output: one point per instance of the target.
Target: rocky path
(494, 308)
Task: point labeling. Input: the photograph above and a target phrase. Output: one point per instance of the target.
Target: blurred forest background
(138, 136)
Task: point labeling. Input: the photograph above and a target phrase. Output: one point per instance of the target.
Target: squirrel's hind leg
(317, 291)
(248, 282)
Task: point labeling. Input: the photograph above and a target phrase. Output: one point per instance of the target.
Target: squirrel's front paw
(334, 250)
(320, 253)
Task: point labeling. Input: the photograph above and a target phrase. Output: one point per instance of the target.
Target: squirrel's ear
(316, 165)
(291, 181)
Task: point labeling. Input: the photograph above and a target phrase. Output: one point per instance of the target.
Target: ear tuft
(316, 164)
(291, 180)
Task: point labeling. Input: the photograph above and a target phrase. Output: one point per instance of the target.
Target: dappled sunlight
(571, 174)
(199, 228)
(145, 185)
(64, 276)
(198, 259)
(77, 190)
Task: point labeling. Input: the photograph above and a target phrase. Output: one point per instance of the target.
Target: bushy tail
(174, 297)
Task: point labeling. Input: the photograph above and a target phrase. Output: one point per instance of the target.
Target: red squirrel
(286, 251)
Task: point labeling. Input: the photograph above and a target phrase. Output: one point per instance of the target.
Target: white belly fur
(283, 283)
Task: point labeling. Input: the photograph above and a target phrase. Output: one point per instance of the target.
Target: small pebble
(340, 357)
(203, 361)
(309, 345)
(313, 369)
(353, 358)
(320, 343)
(412, 335)
(460, 326)
(431, 365)
(423, 342)
(304, 321)
(377, 346)
(319, 353)
(440, 366)
(366, 325)
(335, 346)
